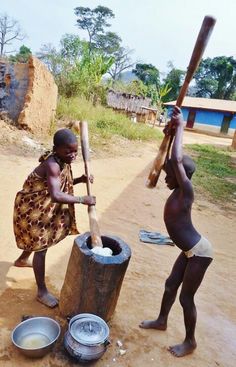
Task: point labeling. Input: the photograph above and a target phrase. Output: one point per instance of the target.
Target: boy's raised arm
(177, 148)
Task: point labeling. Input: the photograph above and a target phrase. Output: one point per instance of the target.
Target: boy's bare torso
(177, 217)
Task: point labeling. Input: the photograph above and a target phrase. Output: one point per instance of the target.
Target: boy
(196, 251)
(44, 209)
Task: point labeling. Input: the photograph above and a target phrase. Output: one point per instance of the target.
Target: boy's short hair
(64, 137)
(188, 164)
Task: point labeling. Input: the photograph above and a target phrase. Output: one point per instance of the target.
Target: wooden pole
(200, 45)
(234, 141)
(93, 223)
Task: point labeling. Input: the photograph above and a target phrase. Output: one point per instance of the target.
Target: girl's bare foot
(181, 350)
(23, 263)
(48, 300)
(153, 324)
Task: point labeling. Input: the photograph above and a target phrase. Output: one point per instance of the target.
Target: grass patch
(104, 122)
(215, 172)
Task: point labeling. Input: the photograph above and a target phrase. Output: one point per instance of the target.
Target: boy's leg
(171, 286)
(23, 260)
(193, 277)
(43, 295)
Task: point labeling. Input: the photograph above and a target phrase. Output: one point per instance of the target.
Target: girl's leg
(43, 295)
(23, 260)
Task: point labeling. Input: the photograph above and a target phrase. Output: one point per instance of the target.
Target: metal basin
(36, 336)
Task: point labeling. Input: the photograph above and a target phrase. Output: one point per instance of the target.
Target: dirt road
(125, 206)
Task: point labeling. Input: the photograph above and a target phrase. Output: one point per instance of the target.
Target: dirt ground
(124, 206)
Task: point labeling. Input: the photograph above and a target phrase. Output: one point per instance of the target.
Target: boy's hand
(168, 130)
(177, 117)
(88, 200)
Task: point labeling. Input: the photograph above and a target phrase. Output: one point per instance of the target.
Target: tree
(216, 78)
(148, 73)
(85, 76)
(94, 21)
(76, 69)
(174, 80)
(10, 30)
(122, 61)
(108, 42)
(22, 56)
(71, 47)
(135, 87)
(52, 59)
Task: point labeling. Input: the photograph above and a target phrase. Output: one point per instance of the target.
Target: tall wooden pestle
(93, 223)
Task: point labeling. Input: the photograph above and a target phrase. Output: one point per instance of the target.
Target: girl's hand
(91, 178)
(83, 178)
(87, 200)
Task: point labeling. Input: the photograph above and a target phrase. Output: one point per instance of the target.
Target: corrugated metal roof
(207, 104)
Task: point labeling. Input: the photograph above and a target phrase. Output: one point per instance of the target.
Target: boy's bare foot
(153, 324)
(181, 350)
(48, 300)
(23, 263)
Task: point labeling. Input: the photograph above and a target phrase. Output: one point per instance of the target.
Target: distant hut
(138, 108)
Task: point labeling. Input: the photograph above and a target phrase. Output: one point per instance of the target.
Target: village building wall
(28, 95)
(209, 115)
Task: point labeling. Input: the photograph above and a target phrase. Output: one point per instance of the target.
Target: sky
(157, 31)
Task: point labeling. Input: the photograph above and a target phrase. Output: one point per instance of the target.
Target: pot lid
(89, 329)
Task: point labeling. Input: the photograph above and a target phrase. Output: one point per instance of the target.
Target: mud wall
(40, 100)
(13, 88)
(28, 95)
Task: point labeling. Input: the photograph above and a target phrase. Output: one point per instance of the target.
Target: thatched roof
(128, 102)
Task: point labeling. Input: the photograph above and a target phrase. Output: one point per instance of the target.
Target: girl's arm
(58, 196)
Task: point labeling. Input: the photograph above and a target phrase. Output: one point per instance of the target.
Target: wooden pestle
(199, 48)
(93, 223)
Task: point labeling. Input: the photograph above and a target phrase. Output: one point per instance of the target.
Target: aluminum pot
(87, 337)
(36, 336)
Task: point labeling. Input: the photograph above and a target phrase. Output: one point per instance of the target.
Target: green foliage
(108, 42)
(148, 74)
(93, 20)
(104, 123)
(174, 80)
(216, 78)
(150, 77)
(135, 87)
(157, 94)
(87, 74)
(22, 56)
(71, 47)
(215, 171)
(77, 70)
